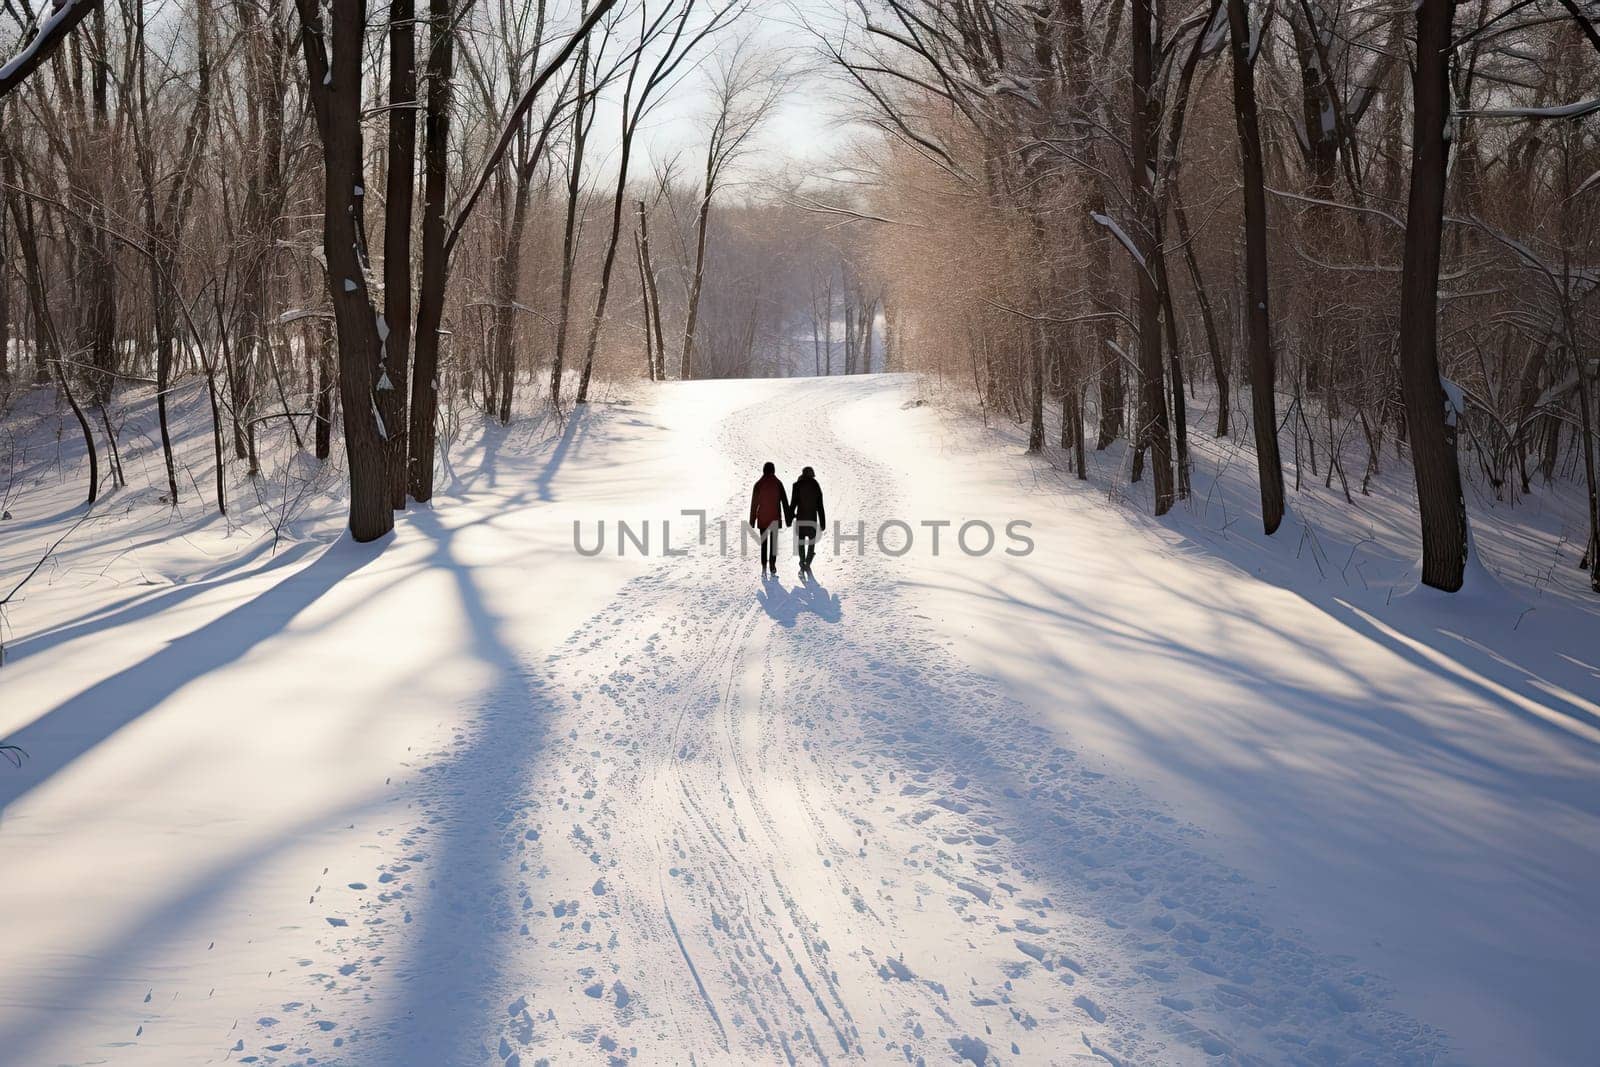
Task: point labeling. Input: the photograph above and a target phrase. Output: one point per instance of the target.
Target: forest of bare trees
(1394, 231)
(1373, 226)
(202, 196)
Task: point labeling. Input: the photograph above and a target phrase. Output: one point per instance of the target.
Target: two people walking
(771, 509)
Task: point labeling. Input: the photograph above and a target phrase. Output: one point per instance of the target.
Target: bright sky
(806, 130)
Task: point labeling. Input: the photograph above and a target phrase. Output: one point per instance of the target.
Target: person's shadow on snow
(785, 606)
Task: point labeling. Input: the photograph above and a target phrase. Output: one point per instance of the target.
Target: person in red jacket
(769, 510)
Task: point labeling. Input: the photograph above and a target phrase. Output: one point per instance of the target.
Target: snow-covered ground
(1155, 792)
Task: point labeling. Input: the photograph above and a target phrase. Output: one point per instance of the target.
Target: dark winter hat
(767, 468)
(807, 473)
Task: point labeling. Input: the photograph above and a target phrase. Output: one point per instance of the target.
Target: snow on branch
(52, 30)
(1117, 231)
(815, 206)
(1455, 400)
(1012, 85)
(1579, 109)
(298, 314)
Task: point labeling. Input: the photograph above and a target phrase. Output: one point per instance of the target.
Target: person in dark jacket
(769, 509)
(807, 515)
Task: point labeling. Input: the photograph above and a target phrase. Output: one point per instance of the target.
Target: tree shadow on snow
(1457, 650)
(124, 958)
(471, 797)
(573, 436)
(152, 602)
(471, 830)
(1371, 828)
(1163, 931)
(75, 727)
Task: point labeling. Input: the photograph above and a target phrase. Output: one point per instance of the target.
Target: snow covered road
(660, 810)
(787, 822)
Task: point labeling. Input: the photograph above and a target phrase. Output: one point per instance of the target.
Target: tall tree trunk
(238, 379)
(1586, 436)
(394, 328)
(660, 371)
(335, 83)
(44, 339)
(686, 361)
(161, 292)
(827, 326)
(1153, 430)
(1586, 430)
(1036, 351)
(166, 227)
(608, 263)
(218, 449)
(1080, 444)
(644, 310)
(569, 250)
(1180, 409)
(245, 348)
(868, 310)
(1263, 372)
(5, 302)
(508, 285)
(1429, 416)
(849, 332)
(102, 293)
(816, 333)
(1076, 57)
(435, 254)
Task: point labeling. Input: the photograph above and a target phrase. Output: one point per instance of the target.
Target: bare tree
(639, 98)
(1263, 368)
(746, 85)
(334, 57)
(1432, 410)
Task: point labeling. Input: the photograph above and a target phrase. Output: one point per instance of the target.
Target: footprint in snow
(1091, 1009)
(893, 968)
(970, 1049)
